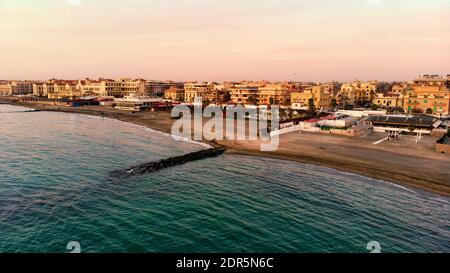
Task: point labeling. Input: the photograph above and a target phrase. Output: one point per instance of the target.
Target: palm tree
(311, 106)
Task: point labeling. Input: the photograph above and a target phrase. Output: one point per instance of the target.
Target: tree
(311, 106)
(333, 103)
(429, 111)
(252, 99)
(206, 102)
(374, 107)
(399, 109)
(227, 97)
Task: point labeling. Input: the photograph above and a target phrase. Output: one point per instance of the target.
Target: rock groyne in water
(166, 163)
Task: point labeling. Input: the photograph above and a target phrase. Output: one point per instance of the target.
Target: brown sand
(403, 162)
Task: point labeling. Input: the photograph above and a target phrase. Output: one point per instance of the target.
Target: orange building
(279, 94)
(431, 94)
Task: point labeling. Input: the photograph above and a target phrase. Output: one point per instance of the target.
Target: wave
(8, 109)
(25, 111)
(145, 128)
(401, 187)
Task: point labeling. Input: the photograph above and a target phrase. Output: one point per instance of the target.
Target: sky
(223, 40)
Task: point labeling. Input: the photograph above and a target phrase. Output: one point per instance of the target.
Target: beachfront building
(174, 93)
(98, 87)
(5, 88)
(431, 94)
(112, 88)
(402, 123)
(196, 89)
(39, 89)
(125, 87)
(318, 94)
(63, 89)
(279, 94)
(136, 103)
(12, 88)
(245, 94)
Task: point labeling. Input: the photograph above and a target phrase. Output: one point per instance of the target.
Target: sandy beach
(404, 162)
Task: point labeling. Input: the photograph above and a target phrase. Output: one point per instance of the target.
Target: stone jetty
(168, 162)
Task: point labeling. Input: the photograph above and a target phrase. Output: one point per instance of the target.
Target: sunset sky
(224, 39)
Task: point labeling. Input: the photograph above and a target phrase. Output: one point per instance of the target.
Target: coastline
(397, 166)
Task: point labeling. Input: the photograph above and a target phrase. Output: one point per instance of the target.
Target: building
(100, 87)
(158, 88)
(39, 89)
(319, 94)
(193, 90)
(125, 87)
(174, 93)
(12, 88)
(136, 103)
(63, 89)
(219, 94)
(389, 100)
(402, 123)
(431, 94)
(279, 94)
(5, 88)
(357, 92)
(245, 94)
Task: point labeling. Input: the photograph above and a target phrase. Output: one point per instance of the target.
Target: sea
(56, 187)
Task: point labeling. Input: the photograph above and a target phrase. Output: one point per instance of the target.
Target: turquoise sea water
(55, 188)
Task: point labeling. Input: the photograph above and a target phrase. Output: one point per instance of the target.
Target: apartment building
(279, 94)
(431, 94)
(245, 94)
(11, 88)
(63, 89)
(195, 89)
(125, 87)
(320, 95)
(357, 92)
(158, 88)
(98, 87)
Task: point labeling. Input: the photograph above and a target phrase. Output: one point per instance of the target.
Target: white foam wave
(142, 127)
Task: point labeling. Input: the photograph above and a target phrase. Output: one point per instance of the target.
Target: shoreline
(381, 169)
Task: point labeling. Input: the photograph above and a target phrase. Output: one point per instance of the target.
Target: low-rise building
(174, 93)
(389, 100)
(136, 103)
(402, 123)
